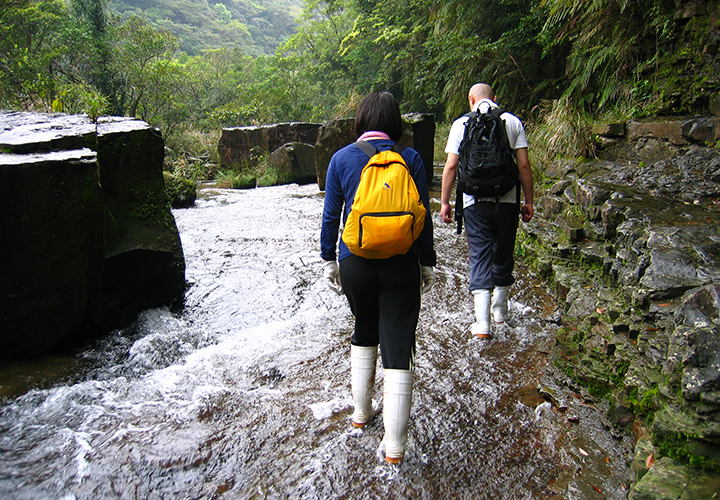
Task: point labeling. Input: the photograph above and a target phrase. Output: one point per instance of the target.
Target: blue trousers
(384, 297)
(491, 230)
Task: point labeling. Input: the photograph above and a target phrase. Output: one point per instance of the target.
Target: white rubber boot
(362, 374)
(396, 412)
(500, 304)
(481, 327)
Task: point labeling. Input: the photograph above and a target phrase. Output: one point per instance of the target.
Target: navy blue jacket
(343, 177)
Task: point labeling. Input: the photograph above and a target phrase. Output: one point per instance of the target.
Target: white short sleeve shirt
(516, 137)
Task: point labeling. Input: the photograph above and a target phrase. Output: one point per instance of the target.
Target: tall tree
(31, 41)
(92, 15)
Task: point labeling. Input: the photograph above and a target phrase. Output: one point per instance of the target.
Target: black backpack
(487, 167)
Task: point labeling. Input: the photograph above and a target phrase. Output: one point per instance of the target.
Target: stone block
(144, 263)
(590, 197)
(239, 145)
(242, 146)
(609, 129)
(22, 132)
(52, 249)
(701, 129)
(90, 238)
(332, 136)
(572, 228)
(295, 163)
(553, 206)
(670, 130)
(285, 133)
(419, 134)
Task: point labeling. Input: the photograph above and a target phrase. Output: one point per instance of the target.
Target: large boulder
(284, 133)
(144, 265)
(239, 146)
(418, 133)
(332, 136)
(51, 218)
(295, 163)
(242, 146)
(89, 236)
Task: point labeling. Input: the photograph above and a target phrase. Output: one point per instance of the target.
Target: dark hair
(379, 111)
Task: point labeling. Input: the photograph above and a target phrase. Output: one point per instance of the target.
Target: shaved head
(481, 91)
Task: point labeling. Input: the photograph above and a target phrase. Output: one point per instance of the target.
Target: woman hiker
(383, 293)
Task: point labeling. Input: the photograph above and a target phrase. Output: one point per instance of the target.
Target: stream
(244, 391)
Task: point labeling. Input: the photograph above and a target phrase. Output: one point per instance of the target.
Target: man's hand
(446, 213)
(448, 182)
(527, 212)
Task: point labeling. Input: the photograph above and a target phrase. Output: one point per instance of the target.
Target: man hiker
(491, 221)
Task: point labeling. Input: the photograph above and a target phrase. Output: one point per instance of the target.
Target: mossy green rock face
(88, 236)
(144, 264)
(667, 480)
(181, 192)
(640, 299)
(664, 481)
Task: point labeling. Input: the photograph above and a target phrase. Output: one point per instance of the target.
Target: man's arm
(526, 181)
(448, 182)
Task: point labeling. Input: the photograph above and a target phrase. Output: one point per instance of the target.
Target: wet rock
(295, 163)
(52, 247)
(642, 287)
(241, 147)
(553, 206)
(332, 136)
(701, 363)
(22, 132)
(572, 227)
(144, 264)
(700, 308)
(703, 129)
(93, 239)
(590, 198)
(419, 134)
(664, 480)
(670, 272)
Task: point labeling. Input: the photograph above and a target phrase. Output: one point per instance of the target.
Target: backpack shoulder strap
(371, 150)
(367, 148)
(496, 111)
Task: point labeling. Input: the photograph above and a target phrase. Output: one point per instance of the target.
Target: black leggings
(384, 297)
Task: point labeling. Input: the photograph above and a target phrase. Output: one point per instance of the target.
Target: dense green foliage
(256, 28)
(203, 64)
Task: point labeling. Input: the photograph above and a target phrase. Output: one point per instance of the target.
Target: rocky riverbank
(631, 244)
(88, 238)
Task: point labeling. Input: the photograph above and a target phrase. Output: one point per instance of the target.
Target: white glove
(332, 274)
(428, 278)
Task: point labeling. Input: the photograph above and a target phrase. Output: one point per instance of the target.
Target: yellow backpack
(387, 214)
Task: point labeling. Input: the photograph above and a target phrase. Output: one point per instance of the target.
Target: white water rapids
(245, 392)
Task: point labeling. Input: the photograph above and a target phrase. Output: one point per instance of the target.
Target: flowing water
(244, 392)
